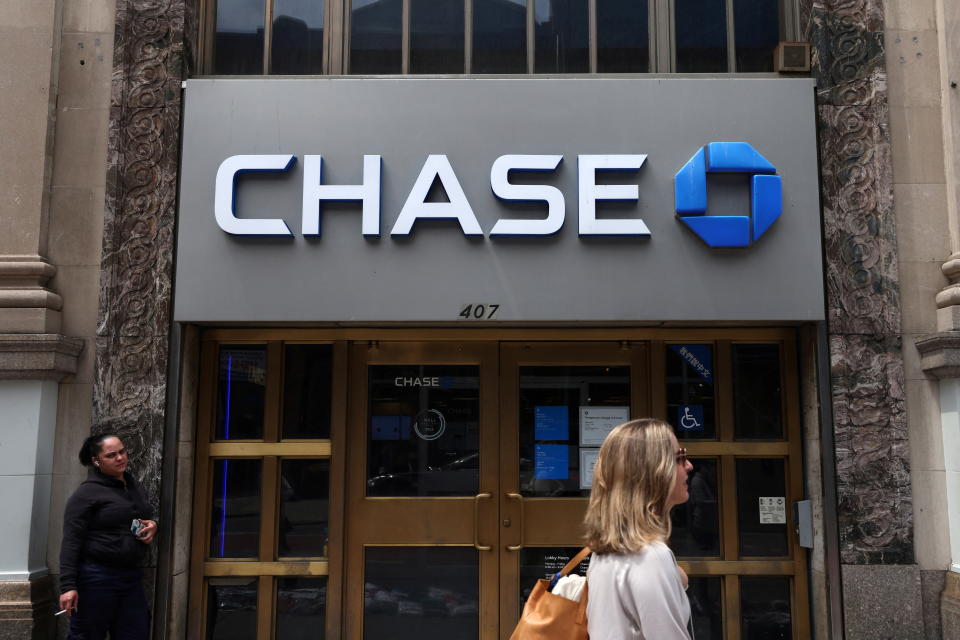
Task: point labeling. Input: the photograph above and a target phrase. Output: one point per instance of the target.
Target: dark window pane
(765, 609)
(499, 36)
(304, 507)
(701, 36)
(762, 507)
(706, 608)
(622, 36)
(235, 516)
(696, 523)
(424, 430)
(412, 593)
(691, 405)
(375, 36)
(756, 392)
(241, 392)
(561, 36)
(301, 608)
(297, 42)
(238, 41)
(543, 562)
(565, 413)
(756, 24)
(436, 36)
(306, 390)
(232, 609)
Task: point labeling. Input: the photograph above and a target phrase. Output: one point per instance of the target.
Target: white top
(637, 596)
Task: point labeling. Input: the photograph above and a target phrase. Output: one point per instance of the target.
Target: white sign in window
(597, 422)
(588, 460)
(773, 510)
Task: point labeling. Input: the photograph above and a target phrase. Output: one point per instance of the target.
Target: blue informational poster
(699, 357)
(690, 417)
(551, 462)
(551, 423)
(390, 427)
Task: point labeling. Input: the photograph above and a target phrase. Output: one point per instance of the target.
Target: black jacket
(96, 526)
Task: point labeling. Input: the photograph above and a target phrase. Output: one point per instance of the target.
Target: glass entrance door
(469, 474)
(421, 556)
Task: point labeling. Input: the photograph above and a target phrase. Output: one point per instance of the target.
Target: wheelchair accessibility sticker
(690, 417)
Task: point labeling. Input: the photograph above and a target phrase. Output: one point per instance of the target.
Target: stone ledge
(26, 609)
(43, 356)
(940, 354)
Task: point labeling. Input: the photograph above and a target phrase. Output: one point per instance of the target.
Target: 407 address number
(478, 311)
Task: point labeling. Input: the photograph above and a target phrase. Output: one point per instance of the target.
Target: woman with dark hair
(636, 587)
(107, 526)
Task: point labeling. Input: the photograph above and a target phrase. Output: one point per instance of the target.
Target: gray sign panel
(433, 272)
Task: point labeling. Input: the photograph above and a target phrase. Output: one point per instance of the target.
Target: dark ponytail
(91, 447)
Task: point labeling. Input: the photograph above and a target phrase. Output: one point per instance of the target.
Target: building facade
(363, 333)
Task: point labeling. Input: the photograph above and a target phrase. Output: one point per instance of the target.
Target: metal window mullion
(666, 42)
(405, 38)
(592, 33)
(731, 40)
(208, 34)
(267, 34)
(265, 609)
(652, 36)
(467, 35)
(341, 59)
(531, 33)
(329, 41)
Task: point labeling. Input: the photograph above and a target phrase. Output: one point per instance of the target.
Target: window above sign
(503, 37)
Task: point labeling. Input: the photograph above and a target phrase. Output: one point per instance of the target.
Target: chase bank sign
(690, 186)
(542, 200)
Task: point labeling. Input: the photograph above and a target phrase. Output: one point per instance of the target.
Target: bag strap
(575, 561)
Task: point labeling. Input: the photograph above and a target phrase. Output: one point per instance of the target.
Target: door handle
(476, 522)
(517, 496)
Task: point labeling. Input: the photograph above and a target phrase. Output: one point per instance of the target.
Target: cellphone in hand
(137, 527)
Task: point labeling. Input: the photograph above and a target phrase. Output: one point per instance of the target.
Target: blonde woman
(636, 587)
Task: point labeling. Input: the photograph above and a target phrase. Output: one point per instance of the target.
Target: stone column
(881, 582)
(940, 352)
(34, 355)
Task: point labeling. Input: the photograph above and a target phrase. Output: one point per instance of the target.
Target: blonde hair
(632, 482)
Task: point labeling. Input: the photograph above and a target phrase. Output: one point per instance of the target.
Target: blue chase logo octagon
(766, 194)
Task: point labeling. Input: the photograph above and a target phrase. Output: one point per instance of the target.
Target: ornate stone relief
(135, 294)
(873, 470)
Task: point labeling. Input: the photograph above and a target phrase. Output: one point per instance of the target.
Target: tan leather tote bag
(550, 617)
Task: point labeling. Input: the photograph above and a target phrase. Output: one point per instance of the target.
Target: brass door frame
(548, 521)
(731, 566)
(444, 521)
(271, 450)
(501, 343)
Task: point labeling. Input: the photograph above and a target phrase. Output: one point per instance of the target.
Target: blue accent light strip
(736, 157)
(226, 463)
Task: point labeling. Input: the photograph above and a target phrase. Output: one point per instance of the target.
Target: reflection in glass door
(420, 554)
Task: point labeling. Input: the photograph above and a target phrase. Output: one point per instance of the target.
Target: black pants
(110, 601)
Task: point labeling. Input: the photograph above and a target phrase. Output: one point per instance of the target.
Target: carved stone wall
(872, 446)
(135, 292)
